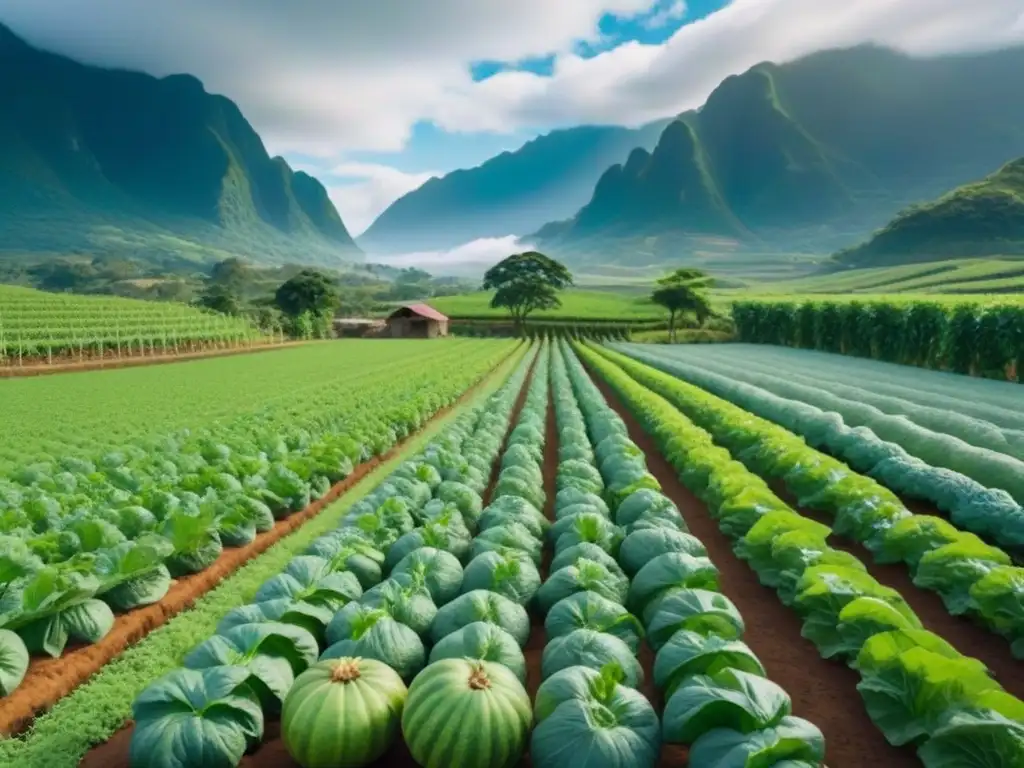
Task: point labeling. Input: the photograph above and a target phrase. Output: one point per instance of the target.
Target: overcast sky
(374, 96)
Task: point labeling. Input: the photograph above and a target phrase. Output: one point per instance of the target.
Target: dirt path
(967, 637)
(106, 363)
(534, 650)
(822, 691)
(48, 680)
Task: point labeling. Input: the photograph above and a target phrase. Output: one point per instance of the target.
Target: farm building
(417, 321)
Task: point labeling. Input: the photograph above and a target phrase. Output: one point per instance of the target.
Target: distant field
(576, 304)
(957, 276)
(37, 324)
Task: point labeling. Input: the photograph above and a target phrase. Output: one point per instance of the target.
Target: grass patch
(96, 710)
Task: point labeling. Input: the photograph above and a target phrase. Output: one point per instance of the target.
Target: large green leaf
(668, 571)
(589, 734)
(975, 738)
(590, 610)
(730, 698)
(584, 576)
(697, 610)
(585, 647)
(312, 579)
(910, 692)
(691, 653)
(824, 591)
(792, 742)
(13, 661)
(273, 652)
(88, 621)
(481, 640)
(312, 618)
(406, 598)
(203, 718)
(865, 617)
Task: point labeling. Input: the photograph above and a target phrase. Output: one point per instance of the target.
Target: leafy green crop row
(984, 413)
(101, 411)
(375, 587)
(979, 488)
(916, 687)
(969, 575)
(982, 339)
(718, 699)
(93, 712)
(80, 539)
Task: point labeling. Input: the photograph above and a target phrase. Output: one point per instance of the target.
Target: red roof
(423, 310)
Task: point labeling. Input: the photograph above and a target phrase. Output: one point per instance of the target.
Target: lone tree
(308, 291)
(684, 290)
(220, 298)
(525, 282)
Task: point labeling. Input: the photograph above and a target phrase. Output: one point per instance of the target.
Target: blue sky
(431, 148)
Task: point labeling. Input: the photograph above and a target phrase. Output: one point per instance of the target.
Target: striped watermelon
(465, 713)
(342, 713)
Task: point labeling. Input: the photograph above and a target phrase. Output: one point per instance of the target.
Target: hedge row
(965, 338)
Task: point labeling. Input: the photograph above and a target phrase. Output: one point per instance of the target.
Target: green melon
(463, 713)
(342, 713)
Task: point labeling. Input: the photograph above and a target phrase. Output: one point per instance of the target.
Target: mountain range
(97, 160)
(983, 218)
(808, 155)
(513, 193)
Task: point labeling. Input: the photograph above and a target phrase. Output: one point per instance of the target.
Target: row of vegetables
(81, 539)
(404, 594)
(916, 687)
(971, 576)
(330, 644)
(980, 490)
(718, 700)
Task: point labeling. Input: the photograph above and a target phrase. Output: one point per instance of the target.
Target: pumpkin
(463, 713)
(342, 713)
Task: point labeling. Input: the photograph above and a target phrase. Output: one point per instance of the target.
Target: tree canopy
(308, 291)
(684, 290)
(525, 282)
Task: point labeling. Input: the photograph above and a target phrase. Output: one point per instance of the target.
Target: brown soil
(967, 637)
(48, 680)
(40, 366)
(822, 691)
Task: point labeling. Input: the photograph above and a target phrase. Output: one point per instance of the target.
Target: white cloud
(674, 10)
(328, 79)
(360, 202)
(470, 258)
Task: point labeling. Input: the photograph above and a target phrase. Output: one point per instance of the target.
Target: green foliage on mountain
(810, 155)
(985, 218)
(99, 161)
(511, 194)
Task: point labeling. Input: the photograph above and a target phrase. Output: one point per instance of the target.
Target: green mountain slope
(811, 156)
(108, 161)
(511, 194)
(985, 218)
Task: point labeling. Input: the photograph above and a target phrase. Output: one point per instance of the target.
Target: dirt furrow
(822, 691)
(38, 366)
